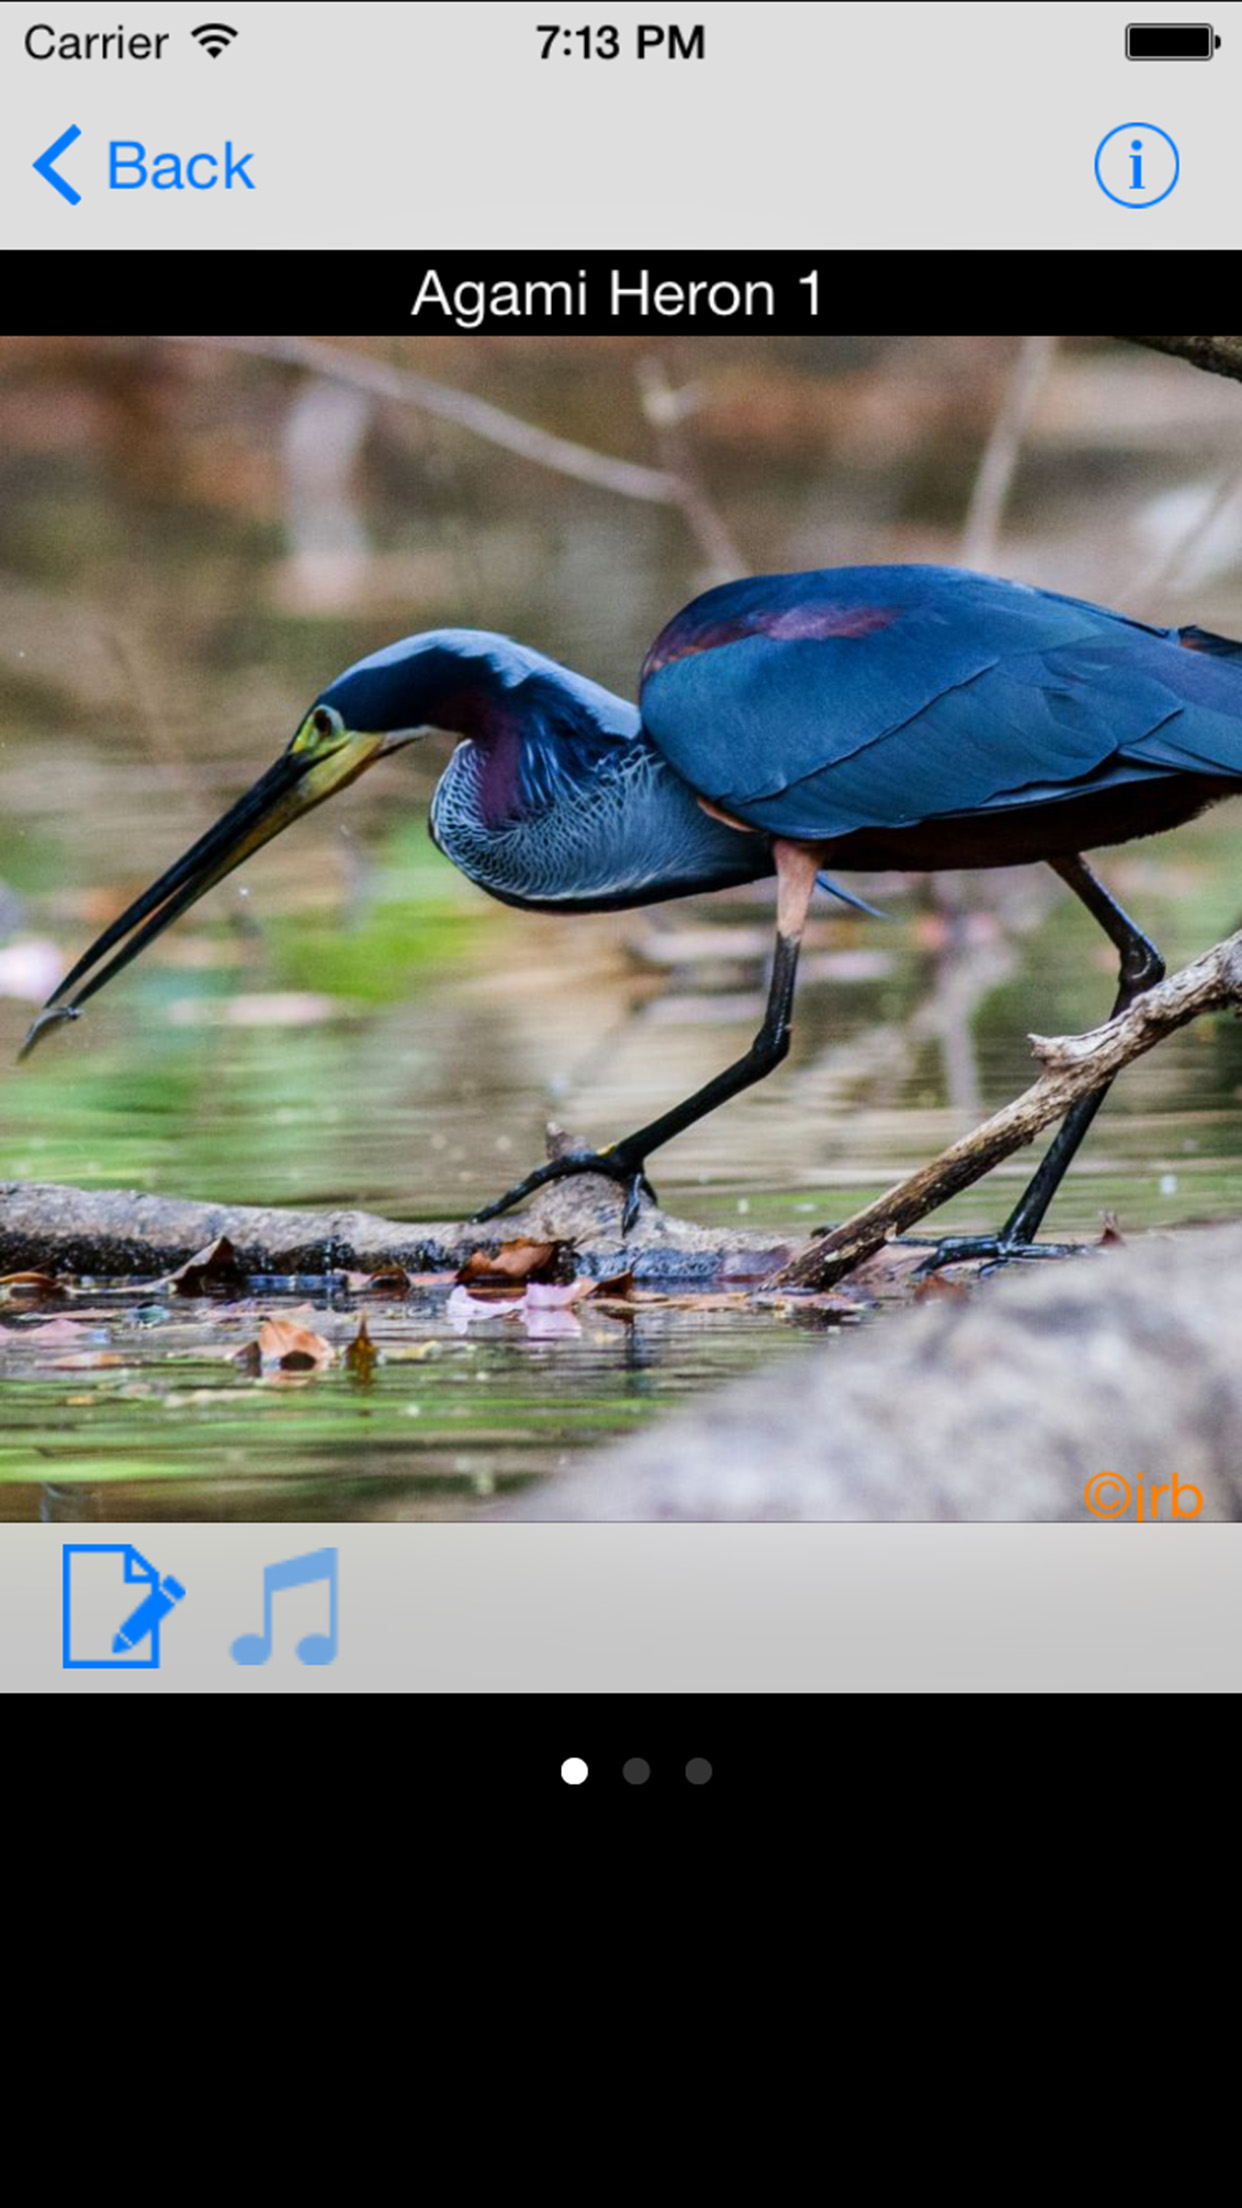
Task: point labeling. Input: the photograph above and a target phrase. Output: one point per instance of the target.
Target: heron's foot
(619, 1165)
(989, 1251)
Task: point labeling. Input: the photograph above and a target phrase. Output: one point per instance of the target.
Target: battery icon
(1171, 42)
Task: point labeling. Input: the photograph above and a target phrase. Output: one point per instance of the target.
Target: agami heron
(886, 717)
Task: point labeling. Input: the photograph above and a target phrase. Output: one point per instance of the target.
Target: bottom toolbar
(619, 1610)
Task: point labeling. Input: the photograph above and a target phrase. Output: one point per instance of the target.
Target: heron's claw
(614, 1165)
(990, 1252)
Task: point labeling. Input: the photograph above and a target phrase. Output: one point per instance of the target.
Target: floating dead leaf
(620, 1289)
(518, 1261)
(284, 1346)
(29, 1288)
(214, 1271)
(362, 1356)
(386, 1280)
(1111, 1239)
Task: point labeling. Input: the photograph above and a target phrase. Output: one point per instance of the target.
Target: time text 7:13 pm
(604, 42)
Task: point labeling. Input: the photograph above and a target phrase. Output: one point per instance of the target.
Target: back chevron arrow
(45, 169)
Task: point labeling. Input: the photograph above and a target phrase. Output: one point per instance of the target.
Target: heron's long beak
(295, 785)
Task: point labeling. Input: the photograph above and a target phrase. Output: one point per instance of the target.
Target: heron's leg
(1140, 969)
(625, 1161)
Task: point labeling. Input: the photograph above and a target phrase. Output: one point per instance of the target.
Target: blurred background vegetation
(194, 539)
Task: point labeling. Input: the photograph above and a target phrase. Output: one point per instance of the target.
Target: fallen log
(122, 1234)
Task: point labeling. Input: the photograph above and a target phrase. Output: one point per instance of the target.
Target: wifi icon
(215, 38)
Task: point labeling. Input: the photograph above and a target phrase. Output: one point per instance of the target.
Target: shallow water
(349, 1023)
(424, 1106)
(445, 1425)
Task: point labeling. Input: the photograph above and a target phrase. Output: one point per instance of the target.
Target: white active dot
(574, 1771)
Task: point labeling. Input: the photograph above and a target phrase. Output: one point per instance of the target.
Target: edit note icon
(115, 1604)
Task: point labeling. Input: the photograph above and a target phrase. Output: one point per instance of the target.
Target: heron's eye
(322, 727)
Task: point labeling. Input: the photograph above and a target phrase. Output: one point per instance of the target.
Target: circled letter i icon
(1137, 165)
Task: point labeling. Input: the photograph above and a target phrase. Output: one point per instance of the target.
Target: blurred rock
(1002, 1406)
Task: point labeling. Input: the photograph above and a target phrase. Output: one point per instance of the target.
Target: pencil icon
(151, 1611)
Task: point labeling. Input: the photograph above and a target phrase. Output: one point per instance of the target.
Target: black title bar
(779, 294)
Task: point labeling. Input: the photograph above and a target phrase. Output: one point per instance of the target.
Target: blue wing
(810, 706)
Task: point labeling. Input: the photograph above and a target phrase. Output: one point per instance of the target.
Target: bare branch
(1220, 356)
(1074, 1067)
(407, 387)
(996, 476)
(665, 410)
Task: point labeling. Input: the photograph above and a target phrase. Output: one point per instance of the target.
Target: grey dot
(698, 1772)
(636, 1772)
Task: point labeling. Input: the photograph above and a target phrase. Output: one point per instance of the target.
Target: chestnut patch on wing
(785, 624)
(1209, 644)
(726, 819)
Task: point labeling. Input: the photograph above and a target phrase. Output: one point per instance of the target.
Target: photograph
(610, 927)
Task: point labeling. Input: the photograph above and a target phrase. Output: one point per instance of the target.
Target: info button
(1137, 165)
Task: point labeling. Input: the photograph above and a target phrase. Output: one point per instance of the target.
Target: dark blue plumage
(477, 679)
(814, 706)
(822, 708)
(898, 716)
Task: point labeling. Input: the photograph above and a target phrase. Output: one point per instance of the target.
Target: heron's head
(448, 679)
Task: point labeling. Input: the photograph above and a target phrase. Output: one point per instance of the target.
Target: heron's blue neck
(546, 816)
(555, 797)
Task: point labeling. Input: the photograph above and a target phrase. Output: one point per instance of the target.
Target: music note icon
(297, 1571)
